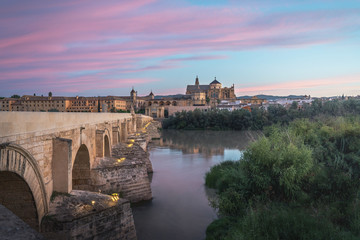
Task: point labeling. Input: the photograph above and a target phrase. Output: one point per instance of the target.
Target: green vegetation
(300, 181)
(257, 119)
(15, 96)
(123, 111)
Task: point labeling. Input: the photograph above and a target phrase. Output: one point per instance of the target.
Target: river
(180, 208)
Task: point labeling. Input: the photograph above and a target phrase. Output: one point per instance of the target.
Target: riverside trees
(258, 118)
(298, 182)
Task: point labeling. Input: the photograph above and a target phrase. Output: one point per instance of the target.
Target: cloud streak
(313, 86)
(49, 40)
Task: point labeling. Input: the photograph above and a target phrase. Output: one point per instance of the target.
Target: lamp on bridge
(115, 197)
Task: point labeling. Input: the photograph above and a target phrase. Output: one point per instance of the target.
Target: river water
(180, 207)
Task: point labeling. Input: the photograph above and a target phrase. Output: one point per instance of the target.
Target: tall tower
(133, 95)
(197, 81)
(151, 95)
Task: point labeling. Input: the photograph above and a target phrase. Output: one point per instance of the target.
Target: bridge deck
(14, 123)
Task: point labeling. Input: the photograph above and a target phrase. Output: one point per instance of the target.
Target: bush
(298, 182)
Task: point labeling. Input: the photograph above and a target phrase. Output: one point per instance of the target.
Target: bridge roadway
(42, 152)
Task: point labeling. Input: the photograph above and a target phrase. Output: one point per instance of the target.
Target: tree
(207, 100)
(50, 94)
(15, 96)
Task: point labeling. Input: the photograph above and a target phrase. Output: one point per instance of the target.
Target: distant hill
(271, 97)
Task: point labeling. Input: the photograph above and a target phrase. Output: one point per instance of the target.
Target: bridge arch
(19, 169)
(16, 196)
(81, 169)
(107, 143)
(106, 146)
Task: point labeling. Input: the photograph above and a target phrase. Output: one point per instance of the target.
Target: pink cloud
(313, 86)
(53, 40)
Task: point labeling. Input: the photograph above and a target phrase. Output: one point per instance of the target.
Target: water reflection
(207, 143)
(180, 207)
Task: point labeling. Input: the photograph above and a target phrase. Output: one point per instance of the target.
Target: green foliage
(53, 110)
(278, 165)
(140, 111)
(15, 96)
(123, 111)
(216, 172)
(298, 182)
(258, 118)
(219, 228)
(276, 222)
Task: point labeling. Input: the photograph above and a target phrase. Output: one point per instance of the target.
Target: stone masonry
(45, 150)
(88, 215)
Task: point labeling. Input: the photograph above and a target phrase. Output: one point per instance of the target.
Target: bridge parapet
(13, 123)
(54, 141)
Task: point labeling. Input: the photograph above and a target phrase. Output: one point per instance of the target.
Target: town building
(63, 104)
(212, 93)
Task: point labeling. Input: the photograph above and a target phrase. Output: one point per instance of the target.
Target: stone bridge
(42, 152)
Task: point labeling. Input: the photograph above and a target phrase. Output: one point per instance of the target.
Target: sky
(99, 48)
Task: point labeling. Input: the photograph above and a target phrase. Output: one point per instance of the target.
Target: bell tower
(197, 81)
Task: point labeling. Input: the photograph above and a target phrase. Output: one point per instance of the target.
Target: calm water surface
(180, 207)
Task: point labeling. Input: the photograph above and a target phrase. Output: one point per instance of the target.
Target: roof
(193, 88)
(215, 82)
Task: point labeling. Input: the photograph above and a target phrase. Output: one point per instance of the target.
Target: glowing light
(121, 159)
(115, 197)
(130, 145)
(93, 202)
(138, 134)
(131, 140)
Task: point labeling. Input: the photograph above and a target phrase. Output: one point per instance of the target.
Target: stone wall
(130, 180)
(125, 173)
(75, 216)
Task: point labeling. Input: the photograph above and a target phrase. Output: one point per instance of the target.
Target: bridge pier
(60, 152)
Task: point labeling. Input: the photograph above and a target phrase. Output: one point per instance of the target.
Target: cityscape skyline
(92, 48)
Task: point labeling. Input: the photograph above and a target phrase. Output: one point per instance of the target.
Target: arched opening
(81, 170)
(106, 146)
(16, 196)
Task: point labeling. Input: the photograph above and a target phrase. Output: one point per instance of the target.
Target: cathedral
(212, 93)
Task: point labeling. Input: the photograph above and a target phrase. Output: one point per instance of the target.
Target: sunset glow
(95, 48)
